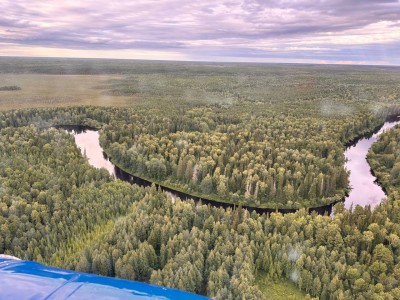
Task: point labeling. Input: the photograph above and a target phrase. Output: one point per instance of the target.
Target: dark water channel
(364, 188)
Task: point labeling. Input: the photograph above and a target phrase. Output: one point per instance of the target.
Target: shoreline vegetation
(384, 158)
(217, 201)
(171, 186)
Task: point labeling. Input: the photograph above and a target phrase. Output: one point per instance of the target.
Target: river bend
(364, 187)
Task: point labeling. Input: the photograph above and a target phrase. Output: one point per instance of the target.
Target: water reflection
(88, 142)
(365, 190)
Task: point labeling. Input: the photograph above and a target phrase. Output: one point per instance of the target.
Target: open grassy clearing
(279, 290)
(41, 90)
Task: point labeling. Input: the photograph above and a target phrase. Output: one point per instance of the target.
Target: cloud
(333, 30)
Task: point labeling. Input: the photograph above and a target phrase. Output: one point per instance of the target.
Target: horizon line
(203, 61)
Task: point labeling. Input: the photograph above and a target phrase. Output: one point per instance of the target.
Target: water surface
(365, 190)
(88, 141)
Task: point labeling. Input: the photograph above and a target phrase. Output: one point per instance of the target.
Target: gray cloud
(233, 28)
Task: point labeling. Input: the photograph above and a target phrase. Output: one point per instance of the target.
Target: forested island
(257, 135)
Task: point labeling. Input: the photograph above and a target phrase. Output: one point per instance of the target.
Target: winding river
(364, 188)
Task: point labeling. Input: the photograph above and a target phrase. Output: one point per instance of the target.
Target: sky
(304, 31)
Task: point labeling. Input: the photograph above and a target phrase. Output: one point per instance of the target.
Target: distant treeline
(68, 66)
(10, 88)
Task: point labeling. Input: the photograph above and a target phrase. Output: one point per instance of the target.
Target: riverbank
(123, 174)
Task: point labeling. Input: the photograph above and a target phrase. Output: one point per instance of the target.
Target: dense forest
(57, 209)
(256, 136)
(268, 161)
(49, 194)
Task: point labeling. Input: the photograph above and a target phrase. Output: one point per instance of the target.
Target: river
(365, 190)
(364, 187)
